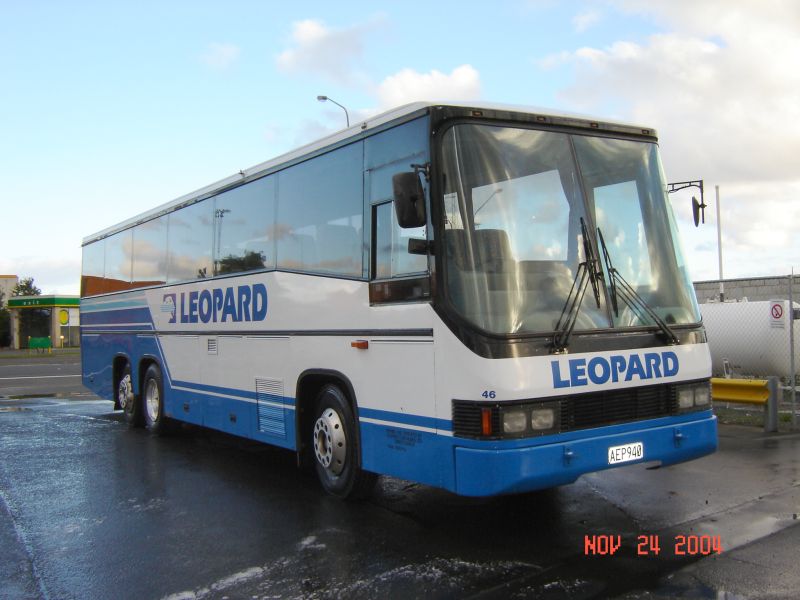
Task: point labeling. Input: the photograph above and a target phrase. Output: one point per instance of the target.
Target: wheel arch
(309, 384)
(144, 364)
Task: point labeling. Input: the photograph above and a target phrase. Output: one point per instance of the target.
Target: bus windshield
(514, 199)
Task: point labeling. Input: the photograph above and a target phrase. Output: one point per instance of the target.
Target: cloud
(720, 83)
(584, 20)
(337, 55)
(758, 230)
(221, 56)
(407, 85)
(333, 53)
(403, 87)
(53, 274)
(312, 129)
(731, 102)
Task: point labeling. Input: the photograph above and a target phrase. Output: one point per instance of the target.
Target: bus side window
(386, 154)
(190, 241)
(118, 261)
(93, 268)
(150, 252)
(244, 223)
(392, 258)
(320, 214)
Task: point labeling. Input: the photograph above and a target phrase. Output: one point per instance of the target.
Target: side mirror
(409, 200)
(698, 210)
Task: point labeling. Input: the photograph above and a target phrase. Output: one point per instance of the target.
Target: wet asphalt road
(41, 374)
(92, 509)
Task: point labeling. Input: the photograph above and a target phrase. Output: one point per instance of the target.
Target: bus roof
(362, 127)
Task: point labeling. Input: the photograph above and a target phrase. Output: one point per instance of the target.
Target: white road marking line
(37, 377)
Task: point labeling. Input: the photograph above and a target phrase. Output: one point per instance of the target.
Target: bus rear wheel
(126, 399)
(153, 401)
(335, 445)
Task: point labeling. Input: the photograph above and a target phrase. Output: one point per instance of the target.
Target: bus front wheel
(335, 445)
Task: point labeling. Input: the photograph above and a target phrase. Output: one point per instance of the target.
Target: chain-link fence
(754, 331)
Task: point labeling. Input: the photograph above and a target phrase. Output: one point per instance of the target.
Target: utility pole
(719, 250)
(792, 370)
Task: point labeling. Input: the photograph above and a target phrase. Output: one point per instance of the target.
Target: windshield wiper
(588, 272)
(619, 287)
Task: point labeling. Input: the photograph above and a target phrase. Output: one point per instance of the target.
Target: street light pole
(719, 250)
(327, 99)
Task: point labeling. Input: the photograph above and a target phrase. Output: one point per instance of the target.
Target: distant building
(7, 283)
(44, 321)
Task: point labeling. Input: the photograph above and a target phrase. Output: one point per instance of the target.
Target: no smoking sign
(776, 313)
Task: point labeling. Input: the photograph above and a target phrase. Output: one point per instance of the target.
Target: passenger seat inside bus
(482, 277)
(493, 251)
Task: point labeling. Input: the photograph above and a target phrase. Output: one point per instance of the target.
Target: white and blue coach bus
(485, 299)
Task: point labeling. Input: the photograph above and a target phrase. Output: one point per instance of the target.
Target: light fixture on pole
(327, 99)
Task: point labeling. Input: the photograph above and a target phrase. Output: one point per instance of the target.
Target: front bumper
(487, 472)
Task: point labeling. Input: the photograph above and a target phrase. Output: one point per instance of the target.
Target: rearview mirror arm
(424, 169)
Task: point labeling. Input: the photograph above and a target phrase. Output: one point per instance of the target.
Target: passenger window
(319, 225)
(386, 154)
(190, 238)
(119, 254)
(392, 258)
(93, 268)
(150, 252)
(244, 223)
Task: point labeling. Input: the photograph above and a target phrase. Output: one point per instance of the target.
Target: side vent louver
(271, 410)
(212, 345)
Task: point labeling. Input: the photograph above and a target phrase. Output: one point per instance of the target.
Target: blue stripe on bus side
(117, 328)
(93, 307)
(370, 413)
(419, 456)
(231, 415)
(405, 419)
(112, 317)
(231, 392)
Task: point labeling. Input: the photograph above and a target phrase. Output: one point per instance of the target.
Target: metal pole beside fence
(719, 249)
(771, 408)
(792, 372)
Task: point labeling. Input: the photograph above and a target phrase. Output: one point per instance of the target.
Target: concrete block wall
(754, 289)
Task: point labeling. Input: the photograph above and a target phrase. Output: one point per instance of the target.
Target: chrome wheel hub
(152, 400)
(330, 443)
(124, 391)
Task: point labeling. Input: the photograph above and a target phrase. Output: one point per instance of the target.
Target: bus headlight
(702, 395)
(542, 418)
(514, 421)
(685, 397)
(695, 396)
(522, 420)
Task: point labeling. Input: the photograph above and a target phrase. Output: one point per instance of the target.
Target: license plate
(625, 453)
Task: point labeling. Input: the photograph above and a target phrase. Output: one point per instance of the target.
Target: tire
(335, 446)
(153, 401)
(126, 399)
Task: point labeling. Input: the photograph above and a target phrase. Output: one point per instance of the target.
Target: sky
(108, 109)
